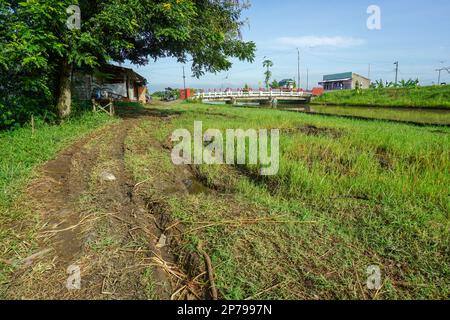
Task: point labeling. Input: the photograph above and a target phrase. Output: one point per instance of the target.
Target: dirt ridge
(103, 227)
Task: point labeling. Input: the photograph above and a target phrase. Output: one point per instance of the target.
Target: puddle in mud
(312, 130)
(194, 186)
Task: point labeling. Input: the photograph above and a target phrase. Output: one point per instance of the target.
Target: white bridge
(263, 96)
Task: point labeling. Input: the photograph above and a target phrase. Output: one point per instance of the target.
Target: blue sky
(333, 37)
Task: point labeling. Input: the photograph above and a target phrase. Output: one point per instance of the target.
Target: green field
(349, 194)
(422, 97)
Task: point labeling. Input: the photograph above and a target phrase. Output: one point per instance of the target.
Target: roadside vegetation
(349, 194)
(416, 96)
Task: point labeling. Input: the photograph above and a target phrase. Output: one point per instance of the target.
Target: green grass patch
(422, 97)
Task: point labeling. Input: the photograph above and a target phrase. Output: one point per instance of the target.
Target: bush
(19, 101)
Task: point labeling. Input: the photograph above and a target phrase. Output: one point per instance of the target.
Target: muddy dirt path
(93, 225)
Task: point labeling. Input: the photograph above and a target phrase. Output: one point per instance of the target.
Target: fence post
(111, 108)
(32, 125)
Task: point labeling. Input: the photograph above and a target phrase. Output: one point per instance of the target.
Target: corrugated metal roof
(338, 76)
(337, 80)
(118, 72)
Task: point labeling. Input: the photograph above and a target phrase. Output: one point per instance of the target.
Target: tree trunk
(64, 104)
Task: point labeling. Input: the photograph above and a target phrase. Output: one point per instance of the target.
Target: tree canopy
(38, 51)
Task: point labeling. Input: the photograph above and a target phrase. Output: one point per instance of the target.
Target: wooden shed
(110, 81)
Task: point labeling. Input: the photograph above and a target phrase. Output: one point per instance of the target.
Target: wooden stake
(209, 267)
(111, 107)
(32, 125)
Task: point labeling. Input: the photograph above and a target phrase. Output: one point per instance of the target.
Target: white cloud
(320, 41)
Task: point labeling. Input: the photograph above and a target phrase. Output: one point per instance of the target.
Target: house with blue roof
(344, 81)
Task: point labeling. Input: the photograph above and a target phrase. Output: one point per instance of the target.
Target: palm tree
(268, 64)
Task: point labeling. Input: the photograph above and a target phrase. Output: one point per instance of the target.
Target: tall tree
(268, 74)
(205, 33)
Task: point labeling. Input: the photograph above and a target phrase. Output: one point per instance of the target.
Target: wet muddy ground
(93, 218)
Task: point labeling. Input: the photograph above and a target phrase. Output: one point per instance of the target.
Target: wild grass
(423, 97)
(349, 194)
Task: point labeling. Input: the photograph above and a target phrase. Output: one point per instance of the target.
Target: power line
(348, 61)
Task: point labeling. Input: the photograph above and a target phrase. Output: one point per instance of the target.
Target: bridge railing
(250, 94)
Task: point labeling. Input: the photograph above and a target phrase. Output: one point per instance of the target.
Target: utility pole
(440, 70)
(298, 69)
(396, 72)
(184, 79)
(307, 79)
(368, 75)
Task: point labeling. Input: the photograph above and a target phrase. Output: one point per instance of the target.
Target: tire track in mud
(78, 212)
